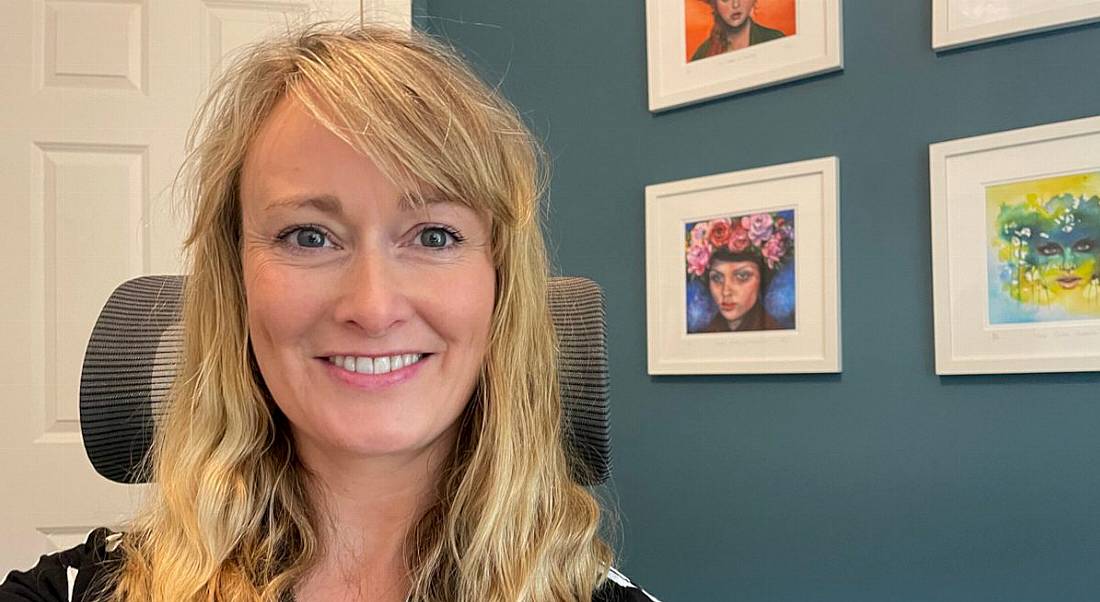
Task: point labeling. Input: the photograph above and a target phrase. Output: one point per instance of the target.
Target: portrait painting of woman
(740, 273)
(1044, 251)
(715, 27)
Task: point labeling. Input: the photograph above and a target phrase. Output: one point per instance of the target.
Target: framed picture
(742, 271)
(699, 49)
(1016, 250)
(961, 22)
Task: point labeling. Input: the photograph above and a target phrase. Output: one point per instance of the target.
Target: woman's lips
(374, 382)
(1068, 282)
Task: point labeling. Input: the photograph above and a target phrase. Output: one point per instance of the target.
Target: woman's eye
(306, 237)
(1052, 248)
(310, 238)
(1084, 246)
(437, 237)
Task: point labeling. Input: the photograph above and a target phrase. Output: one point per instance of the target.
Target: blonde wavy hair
(229, 517)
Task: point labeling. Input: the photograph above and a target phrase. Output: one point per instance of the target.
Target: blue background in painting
(883, 483)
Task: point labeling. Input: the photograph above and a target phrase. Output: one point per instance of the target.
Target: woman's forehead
(296, 142)
(294, 149)
(289, 138)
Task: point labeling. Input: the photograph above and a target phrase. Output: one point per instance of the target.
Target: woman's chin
(733, 315)
(368, 443)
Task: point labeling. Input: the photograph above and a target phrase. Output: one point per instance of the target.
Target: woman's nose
(372, 295)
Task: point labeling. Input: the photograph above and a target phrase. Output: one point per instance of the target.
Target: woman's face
(1066, 261)
(734, 12)
(734, 286)
(369, 318)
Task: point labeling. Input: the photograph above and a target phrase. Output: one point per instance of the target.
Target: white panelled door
(95, 100)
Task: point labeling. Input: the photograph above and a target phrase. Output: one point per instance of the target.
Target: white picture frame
(815, 47)
(988, 318)
(958, 23)
(805, 191)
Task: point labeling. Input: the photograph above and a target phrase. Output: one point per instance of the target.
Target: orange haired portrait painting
(714, 27)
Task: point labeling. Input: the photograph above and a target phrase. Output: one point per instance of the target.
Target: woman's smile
(378, 372)
(381, 364)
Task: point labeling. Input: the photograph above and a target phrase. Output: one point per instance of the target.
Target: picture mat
(962, 22)
(810, 189)
(966, 342)
(675, 82)
(968, 13)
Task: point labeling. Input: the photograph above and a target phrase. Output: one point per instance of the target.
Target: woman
(734, 29)
(367, 407)
(737, 258)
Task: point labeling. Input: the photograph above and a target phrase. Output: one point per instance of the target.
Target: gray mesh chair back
(131, 360)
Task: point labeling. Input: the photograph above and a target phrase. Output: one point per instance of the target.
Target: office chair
(130, 364)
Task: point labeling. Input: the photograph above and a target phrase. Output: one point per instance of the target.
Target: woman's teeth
(377, 365)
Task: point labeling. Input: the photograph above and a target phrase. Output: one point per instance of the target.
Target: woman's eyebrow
(325, 203)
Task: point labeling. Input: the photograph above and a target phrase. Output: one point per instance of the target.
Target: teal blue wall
(883, 483)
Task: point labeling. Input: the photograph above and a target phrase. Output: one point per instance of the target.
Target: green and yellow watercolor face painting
(1044, 249)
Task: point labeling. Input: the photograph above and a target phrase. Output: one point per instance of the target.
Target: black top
(70, 576)
(756, 318)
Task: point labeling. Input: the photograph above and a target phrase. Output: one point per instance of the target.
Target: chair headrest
(133, 352)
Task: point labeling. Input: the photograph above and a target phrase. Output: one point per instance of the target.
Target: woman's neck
(367, 507)
(750, 318)
(738, 38)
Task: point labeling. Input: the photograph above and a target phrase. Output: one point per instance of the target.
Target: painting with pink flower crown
(740, 272)
(726, 292)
